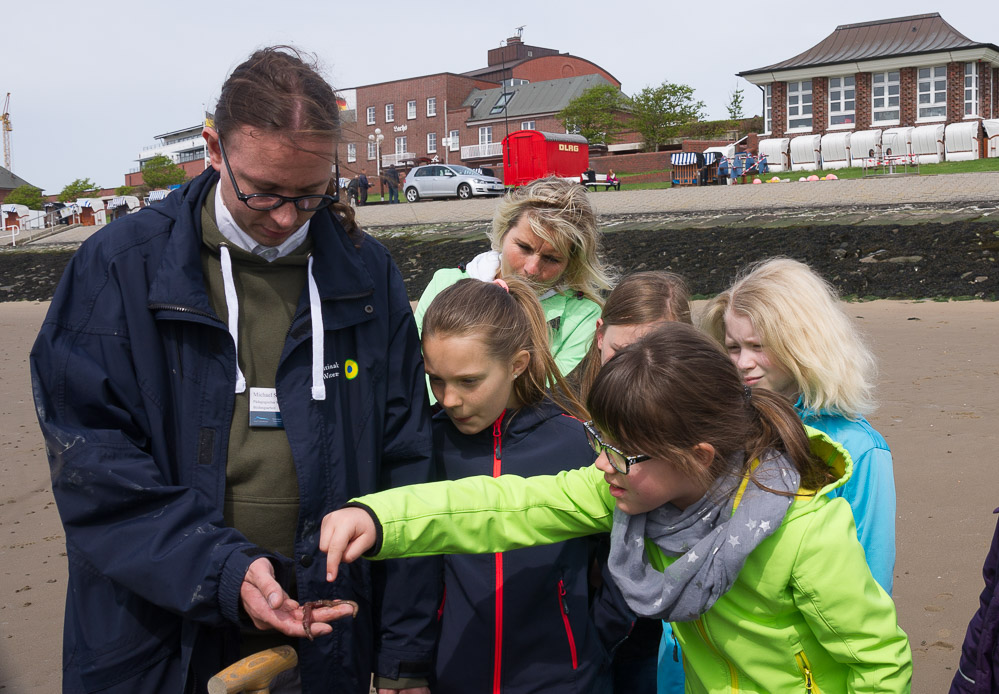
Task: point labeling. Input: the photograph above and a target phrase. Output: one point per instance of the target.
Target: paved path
(945, 191)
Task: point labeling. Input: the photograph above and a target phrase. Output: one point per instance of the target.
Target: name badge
(264, 410)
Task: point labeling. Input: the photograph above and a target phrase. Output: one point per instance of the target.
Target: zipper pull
(808, 680)
(561, 597)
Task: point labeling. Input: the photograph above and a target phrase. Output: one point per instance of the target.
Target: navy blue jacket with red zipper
(134, 378)
(524, 621)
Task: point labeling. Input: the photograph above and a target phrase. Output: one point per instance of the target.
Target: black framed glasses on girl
(617, 458)
(262, 202)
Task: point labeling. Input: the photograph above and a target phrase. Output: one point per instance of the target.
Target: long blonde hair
(506, 322)
(797, 315)
(560, 213)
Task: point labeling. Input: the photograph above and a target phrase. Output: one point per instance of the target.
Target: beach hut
(13, 216)
(91, 211)
(806, 153)
(686, 166)
(865, 148)
(121, 205)
(963, 141)
(896, 142)
(928, 143)
(991, 128)
(777, 151)
(835, 150)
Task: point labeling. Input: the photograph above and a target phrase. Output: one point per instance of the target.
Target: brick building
(907, 71)
(9, 181)
(462, 118)
(185, 147)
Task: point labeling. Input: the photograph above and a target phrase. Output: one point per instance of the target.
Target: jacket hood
(835, 457)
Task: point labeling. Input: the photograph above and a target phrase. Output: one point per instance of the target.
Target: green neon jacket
(572, 318)
(804, 614)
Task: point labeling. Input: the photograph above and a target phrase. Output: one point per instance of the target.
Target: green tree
(26, 195)
(160, 172)
(124, 190)
(658, 112)
(77, 189)
(593, 113)
(734, 106)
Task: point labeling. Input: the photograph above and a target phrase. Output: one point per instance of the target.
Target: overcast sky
(92, 84)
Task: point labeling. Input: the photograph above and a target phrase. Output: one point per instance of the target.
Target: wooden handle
(254, 672)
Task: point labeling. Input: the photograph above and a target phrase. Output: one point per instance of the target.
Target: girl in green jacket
(715, 496)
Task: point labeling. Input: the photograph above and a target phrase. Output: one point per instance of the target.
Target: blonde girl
(784, 329)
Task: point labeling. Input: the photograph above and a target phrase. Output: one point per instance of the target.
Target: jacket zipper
(733, 675)
(564, 609)
(498, 558)
(806, 671)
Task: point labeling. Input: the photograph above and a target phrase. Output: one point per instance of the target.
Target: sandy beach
(939, 393)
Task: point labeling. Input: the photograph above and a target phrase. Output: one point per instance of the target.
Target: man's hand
(270, 607)
(345, 536)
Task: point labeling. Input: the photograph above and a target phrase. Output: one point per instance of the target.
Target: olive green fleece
(261, 498)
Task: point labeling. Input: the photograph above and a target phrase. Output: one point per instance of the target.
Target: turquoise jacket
(571, 317)
(870, 491)
(804, 614)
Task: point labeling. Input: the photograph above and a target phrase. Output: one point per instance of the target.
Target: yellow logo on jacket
(350, 369)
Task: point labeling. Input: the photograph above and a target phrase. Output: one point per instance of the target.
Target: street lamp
(377, 138)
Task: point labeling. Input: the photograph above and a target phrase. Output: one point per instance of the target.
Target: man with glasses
(215, 374)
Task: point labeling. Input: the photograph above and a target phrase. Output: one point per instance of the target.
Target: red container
(532, 154)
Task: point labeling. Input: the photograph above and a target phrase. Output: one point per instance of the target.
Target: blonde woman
(545, 233)
(784, 329)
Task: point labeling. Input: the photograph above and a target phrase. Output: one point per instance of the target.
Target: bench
(592, 180)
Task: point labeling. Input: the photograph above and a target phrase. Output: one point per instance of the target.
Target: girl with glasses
(726, 529)
(523, 620)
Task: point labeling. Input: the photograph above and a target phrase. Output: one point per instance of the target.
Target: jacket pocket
(806, 672)
(563, 607)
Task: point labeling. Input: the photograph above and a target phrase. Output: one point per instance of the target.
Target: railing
(172, 143)
(397, 159)
(493, 149)
(15, 230)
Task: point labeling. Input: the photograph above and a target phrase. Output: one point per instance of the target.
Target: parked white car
(449, 180)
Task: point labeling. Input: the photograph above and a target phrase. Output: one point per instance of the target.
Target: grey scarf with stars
(711, 543)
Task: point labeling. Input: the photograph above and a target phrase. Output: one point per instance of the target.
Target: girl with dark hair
(715, 496)
(521, 620)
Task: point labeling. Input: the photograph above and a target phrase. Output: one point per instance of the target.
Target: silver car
(449, 180)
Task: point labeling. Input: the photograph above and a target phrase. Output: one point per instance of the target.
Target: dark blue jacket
(978, 670)
(524, 621)
(134, 375)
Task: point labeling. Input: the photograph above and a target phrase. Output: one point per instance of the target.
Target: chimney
(513, 39)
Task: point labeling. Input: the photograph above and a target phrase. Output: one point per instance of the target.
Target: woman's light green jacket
(804, 614)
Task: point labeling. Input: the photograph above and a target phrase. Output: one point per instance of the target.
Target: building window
(351, 152)
(431, 143)
(970, 89)
(411, 109)
(452, 141)
(486, 135)
(389, 113)
(372, 150)
(501, 103)
(432, 106)
(371, 115)
(768, 108)
(799, 105)
(884, 98)
(527, 125)
(932, 90)
(842, 100)
(400, 145)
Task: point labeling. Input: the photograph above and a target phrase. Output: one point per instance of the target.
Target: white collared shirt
(232, 232)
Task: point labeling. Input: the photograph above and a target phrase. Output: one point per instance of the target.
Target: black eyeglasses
(618, 460)
(271, 201)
